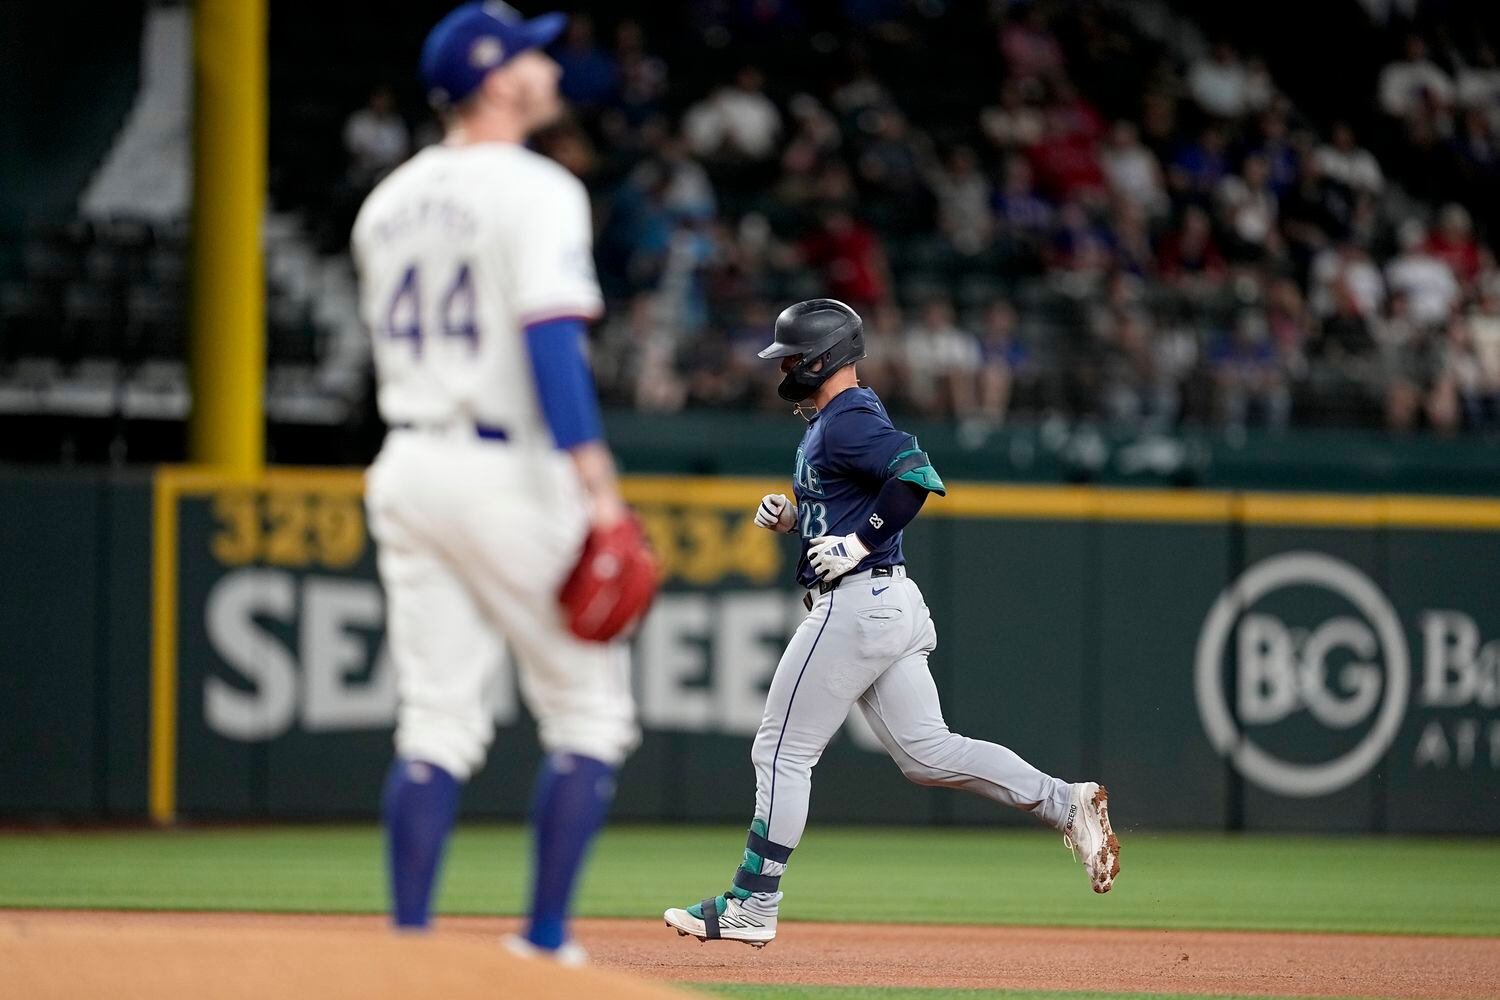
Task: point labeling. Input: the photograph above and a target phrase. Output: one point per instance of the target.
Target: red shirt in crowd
(848, 252)
(1461, 254)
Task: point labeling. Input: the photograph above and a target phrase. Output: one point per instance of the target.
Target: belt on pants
(484, 432)
(899, 569)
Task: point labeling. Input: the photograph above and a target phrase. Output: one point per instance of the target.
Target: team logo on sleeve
(806, 477)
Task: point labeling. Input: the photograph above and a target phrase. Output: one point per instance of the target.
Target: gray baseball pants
(868, 641)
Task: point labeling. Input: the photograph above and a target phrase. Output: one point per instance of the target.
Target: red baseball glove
(613, 583)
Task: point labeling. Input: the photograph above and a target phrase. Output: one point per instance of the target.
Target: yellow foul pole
(228, 352)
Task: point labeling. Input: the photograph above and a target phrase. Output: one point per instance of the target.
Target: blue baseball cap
(475, 39)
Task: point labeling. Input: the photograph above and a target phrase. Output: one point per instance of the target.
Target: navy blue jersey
(849, 451)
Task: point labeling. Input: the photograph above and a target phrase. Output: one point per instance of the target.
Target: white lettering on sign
(267, 708)
(332, 654)
(1282, 670)
(1458, 670)
(673, 689)
(309, 651)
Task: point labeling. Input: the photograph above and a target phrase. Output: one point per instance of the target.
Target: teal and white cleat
(722, 918)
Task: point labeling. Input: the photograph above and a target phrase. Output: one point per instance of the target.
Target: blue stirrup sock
(419, 806)
(573, 795)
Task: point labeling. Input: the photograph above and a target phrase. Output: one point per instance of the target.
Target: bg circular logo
(1310, 634)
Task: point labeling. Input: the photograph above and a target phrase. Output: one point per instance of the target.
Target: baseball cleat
(1089, 836)
(727, 920)
(570, 954)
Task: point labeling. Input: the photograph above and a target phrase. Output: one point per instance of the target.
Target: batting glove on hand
(777, 513)
(831, 556)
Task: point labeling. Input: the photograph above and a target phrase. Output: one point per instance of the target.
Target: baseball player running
(858, 482)
(476, 278)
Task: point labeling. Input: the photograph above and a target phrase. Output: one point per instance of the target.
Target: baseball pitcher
(493, 501)
(858, 481)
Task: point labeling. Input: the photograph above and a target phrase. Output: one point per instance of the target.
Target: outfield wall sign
(1347, 670)
(1347, 693)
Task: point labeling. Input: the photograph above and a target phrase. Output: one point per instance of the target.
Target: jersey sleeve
(863, 442)
(552, 254)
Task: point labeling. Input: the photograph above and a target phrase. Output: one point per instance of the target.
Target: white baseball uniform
(477, 515)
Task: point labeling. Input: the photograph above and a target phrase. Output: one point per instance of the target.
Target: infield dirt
(296, 957)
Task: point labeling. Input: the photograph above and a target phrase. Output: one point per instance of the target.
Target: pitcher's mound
(204, 963)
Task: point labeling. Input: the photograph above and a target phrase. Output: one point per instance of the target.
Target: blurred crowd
(1173, 242)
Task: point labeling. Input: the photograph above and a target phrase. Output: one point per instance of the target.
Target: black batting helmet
(823, 330)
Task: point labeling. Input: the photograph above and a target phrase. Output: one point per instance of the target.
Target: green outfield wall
(196, 646)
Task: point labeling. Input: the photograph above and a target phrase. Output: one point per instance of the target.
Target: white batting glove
(777, 513)
(831, 556)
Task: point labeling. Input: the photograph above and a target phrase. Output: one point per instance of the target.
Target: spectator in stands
(1345, 162)
(1287, 321)
(1132, 170)
(1030, 49)
(590, 73)
(1260, 89)
(1065, 161)
(1158, 123)
(814, 125)
(1012, 124)
(1484, 332)
(1070, 114)
(1022, 217)
(1396, 333)
(1249, 380)
(638, 350)
(1134, 391)
(1424, 160)
(884, 366)
(1476, 155)
(963, 198)
(1414, 82)
(1346, 270)
(1133, 252)
(1080, 251)
(1198, 166)
(569, 144)
(1478, 84)
(1345, 335)
(642, 74)
(862, 92)
(1412, 358)
(1272, 144)
(1220, 84)
(687, 192)
(1423, 279)
(376, 140)
(736, 123)
(891, 168)
(1190, 256)
(942, 362)
(1002, 357)
(1311, 216)
(801, 168)
(849, 258)
(1249, 208)
(1455, 393)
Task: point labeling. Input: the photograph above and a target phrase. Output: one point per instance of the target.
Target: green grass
(905, 993)
(775, 992)
(1250, 882)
